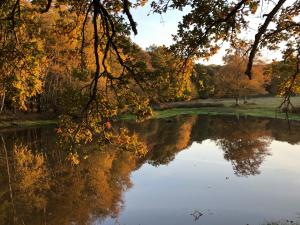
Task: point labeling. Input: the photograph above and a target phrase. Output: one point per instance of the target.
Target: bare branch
(259, 35)
(49, 2)
(129, 16)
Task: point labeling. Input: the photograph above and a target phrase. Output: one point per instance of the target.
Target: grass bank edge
(26, 123)
(225, 111)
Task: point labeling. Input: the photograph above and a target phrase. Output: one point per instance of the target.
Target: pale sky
(158, 30)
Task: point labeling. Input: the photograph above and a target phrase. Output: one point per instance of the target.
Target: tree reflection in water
(245, 145)
(48, 189)
(45, 188)
(244, 141)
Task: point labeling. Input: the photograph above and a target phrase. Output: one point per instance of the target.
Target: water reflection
(245, 145)
(244, 141)
(39, 186)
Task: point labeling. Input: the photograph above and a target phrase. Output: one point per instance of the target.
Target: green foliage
(203, 78)
(169, 77)
(279, 72)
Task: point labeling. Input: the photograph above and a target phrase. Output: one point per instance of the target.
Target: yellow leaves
(131, 143)
(253, 6)
(26, 85)
(83, 135)
(31, 175)
(289, 85)
(95, 184)
(23, 74)
(141, 2)
(101, 132)
(201, 84)
(73, 158)
(184, 133)
(29, 165)
(71, 132)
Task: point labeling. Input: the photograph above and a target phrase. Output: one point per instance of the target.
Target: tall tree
(203, 78)
(112, 85)
(21, 59)
(168, 82)
(231, 81)
(208, 24)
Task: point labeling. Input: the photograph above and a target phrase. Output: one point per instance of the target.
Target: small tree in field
(231, 80)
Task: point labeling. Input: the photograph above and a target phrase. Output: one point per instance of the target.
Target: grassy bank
(26, 123)
(226, 111)
(258, 107)
(19, 120)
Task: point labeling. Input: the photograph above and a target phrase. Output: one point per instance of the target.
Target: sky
(158, 29)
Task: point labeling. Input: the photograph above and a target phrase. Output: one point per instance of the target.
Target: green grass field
(261, 102)
(259, 107)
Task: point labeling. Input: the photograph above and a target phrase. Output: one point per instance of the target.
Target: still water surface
(199, 170)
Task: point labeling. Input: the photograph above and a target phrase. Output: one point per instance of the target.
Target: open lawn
(260, 107)
(260, 102)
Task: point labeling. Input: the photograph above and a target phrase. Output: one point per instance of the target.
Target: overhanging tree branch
(259, 35)
(46, 9)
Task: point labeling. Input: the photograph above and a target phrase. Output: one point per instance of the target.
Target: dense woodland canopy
(76, 59)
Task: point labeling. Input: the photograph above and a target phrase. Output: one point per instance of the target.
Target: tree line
(77, 60)
(228, 81)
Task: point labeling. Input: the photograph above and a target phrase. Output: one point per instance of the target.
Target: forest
(75, 61)
(87, 113)
(57, 53)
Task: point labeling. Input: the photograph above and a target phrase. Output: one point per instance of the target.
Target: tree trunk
(245, 99)
(8, 173)
(38, 102)
(237, 101)
(2, 102)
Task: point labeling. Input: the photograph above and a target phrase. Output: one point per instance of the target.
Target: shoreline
(26, 123)
(160, 115)
(223, 111)
(264, 107)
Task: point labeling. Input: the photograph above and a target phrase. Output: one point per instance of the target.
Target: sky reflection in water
(228, 170)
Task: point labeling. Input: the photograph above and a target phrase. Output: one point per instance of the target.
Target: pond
(198, 170)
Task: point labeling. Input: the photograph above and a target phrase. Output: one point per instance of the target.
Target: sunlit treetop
(110, 81)
(209, 23)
